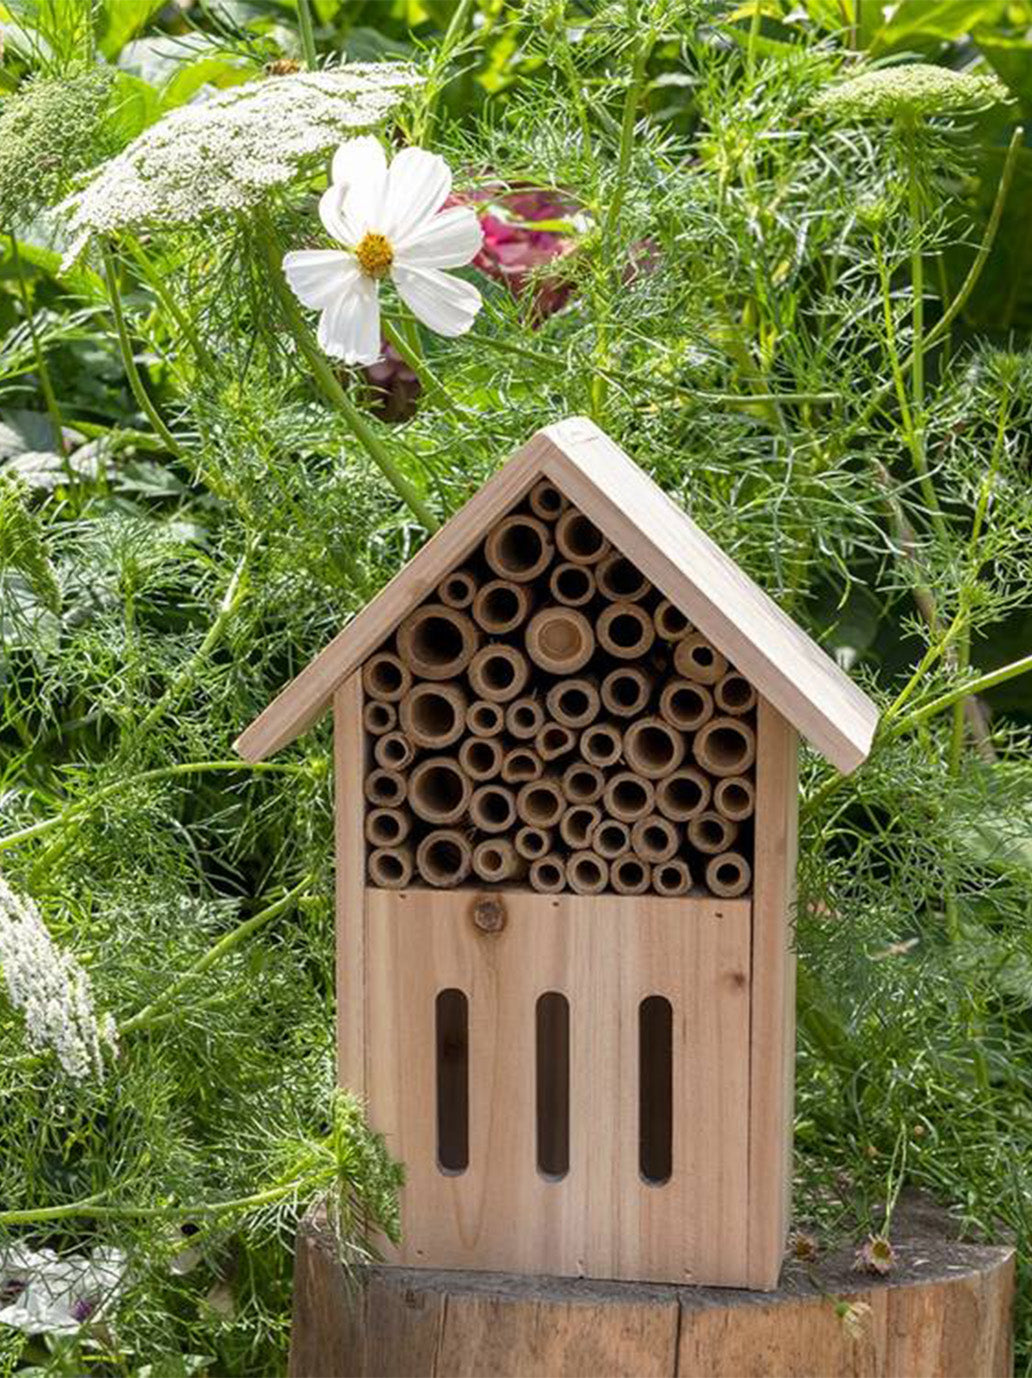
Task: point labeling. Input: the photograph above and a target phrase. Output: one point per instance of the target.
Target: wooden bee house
(566, 792)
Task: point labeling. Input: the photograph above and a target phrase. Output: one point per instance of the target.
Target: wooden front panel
(606, 954)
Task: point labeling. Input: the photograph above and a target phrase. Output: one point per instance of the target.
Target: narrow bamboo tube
(620, 580)
(531, 842)
(434, 715)
(626, 691)
(385, 677)
(444, 858)
(578, 824)
(698, 659)
(625, 630)
(501, 606)
(735, 797)
(573, 702)
(393, 751)
(728, 875)
(387, 827)
(601, 744)
(496, 859)
(560, 640)
(734, 694)
(653, 748)
(572, 585)
(485, 719)
(612, 838)
(587, 873)
(493, 808)
(387, 788)
(439, 792)
(498, 672)
(524, 718)
(522, 763)
(685, 704)
(669, 621)
(671, 877)
(541, 802)
(554, 740)
(391, 867)
(683, 794)
(583, 783)
(379, 717)
(546, 501)
(711, 832)
(630, 875)
(481, 757)
(519, 547)
(437, 642)
(547, 874)
(629, 797)
(725, 746)
(457, 589)
(655, 838)
(579, 539)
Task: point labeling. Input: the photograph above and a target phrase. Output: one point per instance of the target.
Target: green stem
(432, 386)
(90, 1209)
(453, 37)
(157, 286)
(754, 38)
(45, 383)
(304, 21)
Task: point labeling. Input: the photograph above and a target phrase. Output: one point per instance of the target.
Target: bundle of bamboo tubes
(546, 717)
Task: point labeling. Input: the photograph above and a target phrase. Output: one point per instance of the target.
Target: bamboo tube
(711, 832)
(493, 808)
(579, 539)
(496, 859)
(572, 585)
(628, 797)
(583, 783)
(683, 794)
(391, 867)
(531, 842)
(437, 642)
(669, 621)
(546, 501)
(524, 718)
(519, 547)
(554, 740)
(612, 838)
(541, 803)
(393, 751)
(573, 702)
(481, 757)
(387, 827)
(653, 748)
(734, 694)
(457, 589)
(655, 838)
(560, 640)
(501, 606)
(620, 580)
(386, 788)
(444, 858)
(587, 873)
(439, 791)
(630, 875)
(434, 715)
(498, 672)
(728, 875)
(685, 704)
(671, 878)
(385, 677)
(522, 763)
(725, 746)
(626, 691)
(379, 717)
(547, 875)
(698, 659)
(601, 744)
(735, 797)
(578, 824)
(625, 630)
(485, 719)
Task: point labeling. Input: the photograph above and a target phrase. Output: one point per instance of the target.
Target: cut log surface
(944, 1312)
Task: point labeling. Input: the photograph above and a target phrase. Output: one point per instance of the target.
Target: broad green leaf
(1010, 59)
(122, 20)
(916, 23)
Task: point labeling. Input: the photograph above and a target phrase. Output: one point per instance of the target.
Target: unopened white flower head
(225, 152)
(391, 223)
(51, 990)
(911, 90)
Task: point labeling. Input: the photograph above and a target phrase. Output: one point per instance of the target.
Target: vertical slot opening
(656, 1089)
(452, 1081)
(553, 1085)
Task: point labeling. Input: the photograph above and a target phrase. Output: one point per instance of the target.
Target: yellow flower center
(374, 255)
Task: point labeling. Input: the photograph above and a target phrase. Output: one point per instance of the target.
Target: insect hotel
(565, 742)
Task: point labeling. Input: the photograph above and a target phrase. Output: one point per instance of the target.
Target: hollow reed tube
(697, 658)
(391, 867)
(546, 501)
(573, 585)
(612, 838)
(629, 797)
(583, 783)
(457, 590)
(385, 677)
(524, 718)
(578, 824)
(444, 858)
(686, 705)
(501, 606)
(379, 717)
(519, 547)
(620, 580)
(601, 744)
(393, 751)
(541, 802)
(710, 832)
(734, 694)
(630, 875)
(735, 797)
(683, 794)
(554, 740)
(492, 808)
(655, 838)
(579, 539)
(626, 691)
(587, 873)
(725, 746)
(481, 757)
(485, 719)
(670, 622)
(520, 764)
(653, 748)
(728, 875)
(439, 791)
(434, 715)
(498, 672)
(532, 842)
(573, 702)
(496, 859)
(387, 827)
(387, 788)
(625, 630)
(671, 877)
(437, 642)
(560, 640)
(547, 874)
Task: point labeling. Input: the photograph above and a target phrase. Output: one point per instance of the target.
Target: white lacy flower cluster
(51, 989)
(913, 89)
(225, 152)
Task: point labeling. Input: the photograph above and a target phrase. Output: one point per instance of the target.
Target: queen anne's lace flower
(916, 89)
(225, 152)
(51, 990)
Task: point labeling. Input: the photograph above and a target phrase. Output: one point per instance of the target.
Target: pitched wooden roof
(784, 664)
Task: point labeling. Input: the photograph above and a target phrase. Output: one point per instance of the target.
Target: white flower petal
(331, 213)
(448, 240)
(316, 276)
(349, 329)
(445, 304)
(360, 174)
(418, 184)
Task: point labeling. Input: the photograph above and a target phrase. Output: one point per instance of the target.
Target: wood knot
(489, 914)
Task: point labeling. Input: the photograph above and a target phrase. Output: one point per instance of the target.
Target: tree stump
(943, 1312)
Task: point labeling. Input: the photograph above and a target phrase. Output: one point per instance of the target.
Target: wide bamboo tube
(560, 640)
(573, 702)
(601, 744)
(457, 589)
(587, 873)
(444, 858)
(573, 585)
(625, 630)
(671, 877)
(519, 547)
(578, 824)
(524, 718)
(439, 792)
(387, 827)
(554, 740)
(485, 719)
(612, 838)
(711, 832)
(386, 788)
(391, 867)
(734, 694)
(683, 795)
(493, 808)
(385, 677)
(698, 659)
(547, 874)
(669, 621)
(583, 783)
(579, 539)
(655, 838)
(725, 746)
(735, 797)
(522, 763)
(437, 642)
(501, 606)
(532, 842)
(541, 803)
(630, 875)
(653, 748)
(620, 580)
(433, 715)
(629, 797)
(546, 501)
(379, 717)
(481, 757)
(498, 672)
(393, 751)
(496, 859)
(626, 691)
(685, 704)
(728, 875)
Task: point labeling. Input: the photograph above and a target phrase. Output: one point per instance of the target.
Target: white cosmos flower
(391, 224)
